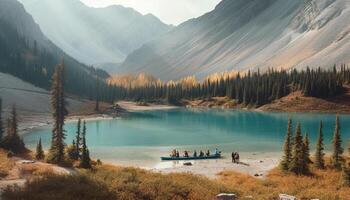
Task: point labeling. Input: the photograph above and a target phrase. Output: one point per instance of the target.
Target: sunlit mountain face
(94, 35)
(253, 34)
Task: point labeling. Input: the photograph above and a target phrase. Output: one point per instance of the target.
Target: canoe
(191, 158)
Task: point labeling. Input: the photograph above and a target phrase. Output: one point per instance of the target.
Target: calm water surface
(141, 138)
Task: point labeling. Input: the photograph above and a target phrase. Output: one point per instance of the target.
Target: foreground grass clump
(323, 185)
(108, 182)
(60, 187)
(6, 164)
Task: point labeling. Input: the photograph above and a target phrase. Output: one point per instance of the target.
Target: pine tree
(59, 111)
(78, 140)
(12, 141)
(39, 155)
(1, 122)
(298, 164)
(307, 149)
(337, 158)
(287, 147)
(319, 155)
(85, 157)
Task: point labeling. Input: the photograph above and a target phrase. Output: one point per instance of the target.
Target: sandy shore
(133, 107)
(254, 164)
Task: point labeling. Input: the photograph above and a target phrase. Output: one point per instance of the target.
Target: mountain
(94, 35)
(250, 34)
(26, 53)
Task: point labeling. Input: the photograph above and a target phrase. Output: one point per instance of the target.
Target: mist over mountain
(94, 35)
(250, 34)
(26, 53)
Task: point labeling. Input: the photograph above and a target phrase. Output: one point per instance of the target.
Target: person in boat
(208, 153)
(173, 153)
(217, 152)
(186, 154)
(201, 154)
(195, 154)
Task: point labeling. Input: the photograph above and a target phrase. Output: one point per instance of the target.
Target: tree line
(296, 157)
(252, 88)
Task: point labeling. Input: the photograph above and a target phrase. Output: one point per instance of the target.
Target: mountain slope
(26, 53)
(94, 35)
(250, 34)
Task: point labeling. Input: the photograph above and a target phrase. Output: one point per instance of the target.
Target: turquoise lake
(142, 137)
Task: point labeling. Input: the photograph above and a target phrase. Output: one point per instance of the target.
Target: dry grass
(297, 102)
(110, 182)
(323, 185)
(6, 164)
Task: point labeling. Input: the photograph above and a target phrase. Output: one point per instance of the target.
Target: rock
(225, 196)
(188, 164)
(256, 175)
(248, 197)
(287, 197)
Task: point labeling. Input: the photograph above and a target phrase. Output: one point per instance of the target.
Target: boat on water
(217, 156)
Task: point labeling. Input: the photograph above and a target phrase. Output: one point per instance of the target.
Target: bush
(60, 187)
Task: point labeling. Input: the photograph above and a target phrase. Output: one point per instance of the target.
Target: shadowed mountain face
(94, 35)
(250, 34)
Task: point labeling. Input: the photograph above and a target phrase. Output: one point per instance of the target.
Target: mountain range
(249, 34)
(94, 35)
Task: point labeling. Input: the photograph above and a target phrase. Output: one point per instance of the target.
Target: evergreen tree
(39, 155)
(287, 147)
(307, 149)
(337, 158)
(12, 141)
(78, 140)
(298, 164)
(319, 155)
(59, 111)
(85, 157)
(1, 122)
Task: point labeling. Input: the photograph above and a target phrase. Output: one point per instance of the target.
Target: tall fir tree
(39, 154)
(319, 155)
(1, 122)
(298, 164)
(85, 161)
(59, 111)
(78, 140)
(307, 149)
(337, 155)
(287, 147)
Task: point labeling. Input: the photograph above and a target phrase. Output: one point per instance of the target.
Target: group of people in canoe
(186, 154)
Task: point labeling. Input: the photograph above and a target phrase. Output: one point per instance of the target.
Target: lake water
(141, 138)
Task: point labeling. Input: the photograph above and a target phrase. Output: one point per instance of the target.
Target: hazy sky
(169, 11)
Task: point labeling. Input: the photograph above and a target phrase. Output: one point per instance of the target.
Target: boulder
(287, 197)
(225, 196)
